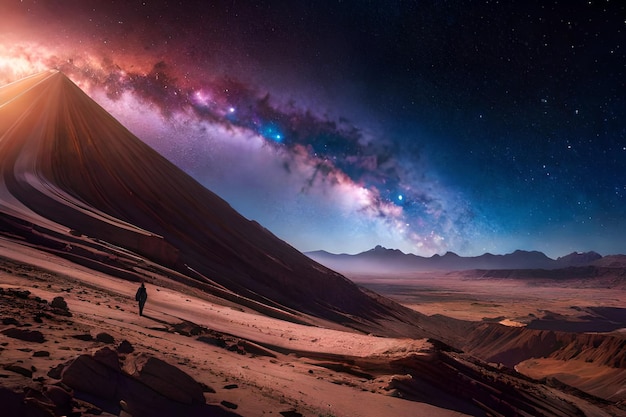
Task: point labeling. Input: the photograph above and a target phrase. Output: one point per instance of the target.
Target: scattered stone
(86, 337)
(105, 338)
(59, 307)
(27, 335)
(23, 294)
(214, 341)
(57, 371)
(19, 370)
(187, 328)
(230, 405)
(125, 347)
(231, 386)
(236, 348)
(41, 354)
(59, 302)
(10, 321)
(290, 413)
(41, 315)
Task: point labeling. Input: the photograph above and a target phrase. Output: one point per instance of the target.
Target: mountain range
(383, 260)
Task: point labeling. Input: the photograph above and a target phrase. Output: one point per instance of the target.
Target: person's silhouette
(141, 296)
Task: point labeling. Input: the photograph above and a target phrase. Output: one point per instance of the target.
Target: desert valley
(239, 323)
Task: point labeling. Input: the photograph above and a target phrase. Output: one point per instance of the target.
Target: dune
(238, 322)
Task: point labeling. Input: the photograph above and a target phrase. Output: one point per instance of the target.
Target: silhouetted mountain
(579, 258)
(612, 261)
(381, 259)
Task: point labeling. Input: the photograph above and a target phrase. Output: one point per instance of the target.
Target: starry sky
(427, 126)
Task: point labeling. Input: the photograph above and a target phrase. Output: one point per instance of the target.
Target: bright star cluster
(424, 127)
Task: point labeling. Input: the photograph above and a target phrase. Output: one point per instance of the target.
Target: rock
(290, 413)
(19, 370)
(41, 354)
(84, 337)
(230, 405)
(10, 321)
(59, 396)
(56, 372)
(23, 294)
(15, 404)
(165, 379)
(187, 328)
(105, 338)
(59, 302)
(214, 341)
(27, 335)
(254, 349)
(206, 388)
(108, 357)
(125, 347)
(92, 376)
(231, 386)
(59, 306)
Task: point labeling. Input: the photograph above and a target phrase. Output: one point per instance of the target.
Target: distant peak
(380, 249)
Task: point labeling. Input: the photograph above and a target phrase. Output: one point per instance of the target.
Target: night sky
(426, 126)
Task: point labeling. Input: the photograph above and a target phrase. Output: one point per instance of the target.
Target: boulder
(165, 379)
(58, 396)
(22, 334)
(125, 347)
(105, 338)
(98, 375)
(59, 302)
(19, 370)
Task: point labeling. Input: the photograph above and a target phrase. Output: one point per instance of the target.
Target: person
(141, 296)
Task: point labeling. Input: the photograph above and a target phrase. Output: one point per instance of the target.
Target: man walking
(141, 296)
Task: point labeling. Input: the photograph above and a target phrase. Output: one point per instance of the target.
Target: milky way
(423, 126)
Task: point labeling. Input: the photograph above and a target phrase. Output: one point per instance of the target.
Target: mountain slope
(70, 168)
